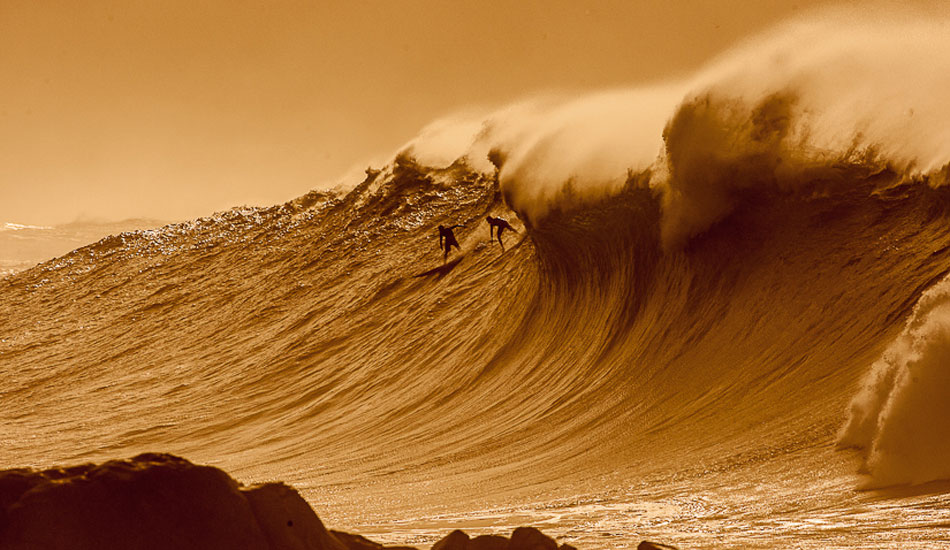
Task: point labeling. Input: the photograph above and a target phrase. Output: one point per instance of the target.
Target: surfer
(501, 224)
(450, 241)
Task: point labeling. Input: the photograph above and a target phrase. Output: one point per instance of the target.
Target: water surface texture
(738, 338)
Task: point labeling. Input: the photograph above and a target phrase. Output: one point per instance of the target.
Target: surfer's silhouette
(450, 241)
(501, 224)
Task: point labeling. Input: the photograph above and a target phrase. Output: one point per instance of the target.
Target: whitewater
(724, 320)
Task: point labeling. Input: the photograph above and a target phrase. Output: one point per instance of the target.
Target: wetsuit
(450, 240)
(501, 224)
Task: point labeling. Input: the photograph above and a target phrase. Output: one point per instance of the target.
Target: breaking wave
(898, 417)
(703, 272)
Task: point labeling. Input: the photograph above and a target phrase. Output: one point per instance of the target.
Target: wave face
(668, 352)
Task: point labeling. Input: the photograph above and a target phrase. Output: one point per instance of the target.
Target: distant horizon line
(15, 226)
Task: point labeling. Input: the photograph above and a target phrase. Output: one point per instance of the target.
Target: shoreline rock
(158, 501)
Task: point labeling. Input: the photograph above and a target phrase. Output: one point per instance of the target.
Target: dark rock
(529, 538)
(149, 502)
(456, 540)
(566, 546)
(357, 542)
(13, 483)
(286, 519)
(152, 502)
(488, 542)
(647, 545)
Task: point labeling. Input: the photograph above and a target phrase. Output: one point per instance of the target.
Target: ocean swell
(695, 286)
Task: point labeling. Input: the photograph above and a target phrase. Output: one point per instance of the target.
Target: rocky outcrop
(356, 542)
(529, 538)
(523, 538)
(160, 501)
(456, 540)
(647, 545)
(488, 542)
(287, 521)
(153, 501)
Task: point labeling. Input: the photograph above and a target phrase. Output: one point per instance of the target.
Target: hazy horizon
(173, 112)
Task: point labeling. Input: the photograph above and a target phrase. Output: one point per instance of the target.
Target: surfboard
(442, 269)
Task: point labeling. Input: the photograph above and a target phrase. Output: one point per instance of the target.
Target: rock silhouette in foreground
(523, 538)
(160, 501)
(647, 545)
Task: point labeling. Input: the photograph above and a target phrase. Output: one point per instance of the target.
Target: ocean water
(737, 339)
(23, 246)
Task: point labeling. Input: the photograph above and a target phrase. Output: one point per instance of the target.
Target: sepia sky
(174, 109)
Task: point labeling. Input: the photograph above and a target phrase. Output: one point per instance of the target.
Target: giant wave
(705, 273)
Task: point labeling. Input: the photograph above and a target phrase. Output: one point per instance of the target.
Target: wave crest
(787, 111)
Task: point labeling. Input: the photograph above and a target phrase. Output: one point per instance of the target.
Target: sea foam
(899, 417)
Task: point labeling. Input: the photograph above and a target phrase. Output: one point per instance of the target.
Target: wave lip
(838, 90)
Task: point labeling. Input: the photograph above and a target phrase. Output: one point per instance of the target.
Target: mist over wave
(703, 272)
(785, 110)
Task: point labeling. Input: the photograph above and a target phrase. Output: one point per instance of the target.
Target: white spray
(834, 88)
(899, 417)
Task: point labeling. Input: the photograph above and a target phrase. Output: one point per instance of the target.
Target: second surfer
(501, 224)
